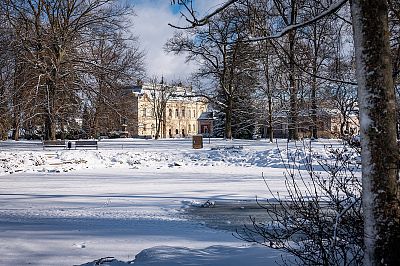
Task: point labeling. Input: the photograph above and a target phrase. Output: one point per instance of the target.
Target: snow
(138, 198)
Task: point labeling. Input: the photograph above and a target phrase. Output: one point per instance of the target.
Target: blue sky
(151, 26)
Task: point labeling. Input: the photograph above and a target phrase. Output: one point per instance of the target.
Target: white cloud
(151, 26)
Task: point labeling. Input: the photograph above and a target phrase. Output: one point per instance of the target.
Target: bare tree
(381, 196)
(111, 62)
(320, 39)
(222, 56)
(379, 152)
(160, 94)
(319, 221)
(50, 35)
(6, 76)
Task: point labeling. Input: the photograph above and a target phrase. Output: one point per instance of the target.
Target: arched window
(190, 113)
(176, 131)
(189, 128)
(194, 128)
(183, 112)
(176, 113)
(170, 112)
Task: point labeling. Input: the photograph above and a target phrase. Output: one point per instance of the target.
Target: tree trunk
(50, 121)
(379, 150)
(62, 127)
(228, 120)
(16, 123)
(342, 130)
(270, 127)
(314, 133)
(158, 128)
(164, 124)
(269, 95)
(293, 116)
(50, 133)
(15, 133)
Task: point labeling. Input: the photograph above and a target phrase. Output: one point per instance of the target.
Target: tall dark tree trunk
(62, 128)
(293, 113)
(270, 121)
(164, 124)
(314, 118)
(50, 121)
(16, 118)
(158, 127)
(381, 200)
(269, 95)
(15, 132)
(228, 119)
(314, 133)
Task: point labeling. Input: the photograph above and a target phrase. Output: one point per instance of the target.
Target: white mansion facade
(178, 116)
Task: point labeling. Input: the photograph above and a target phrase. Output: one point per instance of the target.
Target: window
(144, 112)
(176, 131)
(176, 113)
(183, 112)
(170, 112)
(190, 113)
(189, 128)
(194, 128)
(144, 127)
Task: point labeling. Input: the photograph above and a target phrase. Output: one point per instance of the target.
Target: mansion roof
(172, 92)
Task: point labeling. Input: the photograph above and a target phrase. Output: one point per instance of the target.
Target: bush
(320, 223)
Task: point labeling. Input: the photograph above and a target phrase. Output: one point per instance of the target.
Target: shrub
(320, 221)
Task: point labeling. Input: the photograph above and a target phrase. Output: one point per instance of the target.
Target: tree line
(65, 59)
(375, 49)
(259, 78)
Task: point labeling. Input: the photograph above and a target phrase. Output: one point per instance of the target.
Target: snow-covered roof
(206, 116)
(175, 92)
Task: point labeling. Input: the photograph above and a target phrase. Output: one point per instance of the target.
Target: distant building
(329, 124)
(206, 123)
(178, 117)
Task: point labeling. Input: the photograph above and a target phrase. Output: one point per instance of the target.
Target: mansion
(174, 109)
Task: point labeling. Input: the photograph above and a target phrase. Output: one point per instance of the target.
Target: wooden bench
(54, 144)
(86, 144)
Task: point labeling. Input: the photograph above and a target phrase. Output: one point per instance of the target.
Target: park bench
(54, 144)
(86, 144)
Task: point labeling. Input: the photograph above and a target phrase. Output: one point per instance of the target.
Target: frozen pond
(69, 207)
(228, 215)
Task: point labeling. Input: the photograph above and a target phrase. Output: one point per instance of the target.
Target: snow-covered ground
(131, 198)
